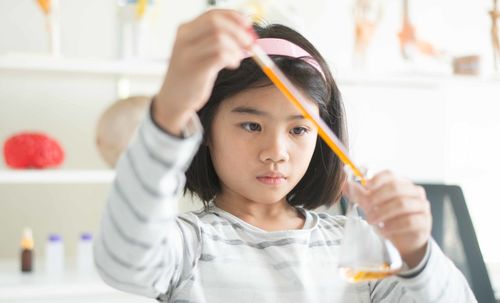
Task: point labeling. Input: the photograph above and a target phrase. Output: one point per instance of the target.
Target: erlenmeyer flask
(364, 254)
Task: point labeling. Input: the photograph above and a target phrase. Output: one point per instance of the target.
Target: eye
(299, 131)
(251, 126)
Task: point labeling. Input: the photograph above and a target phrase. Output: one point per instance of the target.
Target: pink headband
(282, 47)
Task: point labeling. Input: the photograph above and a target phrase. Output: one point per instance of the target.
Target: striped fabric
(145, 247)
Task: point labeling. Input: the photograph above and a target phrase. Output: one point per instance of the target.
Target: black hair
(322, 182)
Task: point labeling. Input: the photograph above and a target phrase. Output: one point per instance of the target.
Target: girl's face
(260, 145)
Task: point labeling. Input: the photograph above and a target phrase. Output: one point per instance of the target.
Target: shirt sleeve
(435, 279)
(142, 247)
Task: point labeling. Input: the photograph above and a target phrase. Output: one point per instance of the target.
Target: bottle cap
(55, 238)
(86, 236)
(27, 239)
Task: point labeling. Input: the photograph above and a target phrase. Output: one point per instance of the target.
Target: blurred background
(420, 82)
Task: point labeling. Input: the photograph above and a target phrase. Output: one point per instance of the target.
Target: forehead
(268, 99)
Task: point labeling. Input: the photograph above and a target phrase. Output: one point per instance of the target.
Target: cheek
(230, 158)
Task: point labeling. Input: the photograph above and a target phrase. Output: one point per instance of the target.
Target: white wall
(430, 130)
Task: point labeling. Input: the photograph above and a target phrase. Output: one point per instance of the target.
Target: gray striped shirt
(145, 247)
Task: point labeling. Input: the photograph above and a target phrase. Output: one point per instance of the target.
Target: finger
(395, 208)
(394, 190)
(237, 17)
(220, 53)
(388, 187)
(381, 178)
(414, 223)
(355, 193)
(238, 31)
(221, 22)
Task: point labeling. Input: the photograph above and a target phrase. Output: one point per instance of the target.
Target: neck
(267, 216)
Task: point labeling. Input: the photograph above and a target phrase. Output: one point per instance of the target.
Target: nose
(274, 149)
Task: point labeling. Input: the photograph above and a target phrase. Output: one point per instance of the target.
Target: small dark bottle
(27, 256)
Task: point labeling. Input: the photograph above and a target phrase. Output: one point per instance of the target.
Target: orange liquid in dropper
(336, 149)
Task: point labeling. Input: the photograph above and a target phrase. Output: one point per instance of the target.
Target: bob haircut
(322, 182)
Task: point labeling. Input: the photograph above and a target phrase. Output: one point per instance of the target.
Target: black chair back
(453, 231)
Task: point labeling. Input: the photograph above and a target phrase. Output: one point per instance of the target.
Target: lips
(272, 179)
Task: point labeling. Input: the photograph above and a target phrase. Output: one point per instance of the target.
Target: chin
(269, 198)
(269, 195)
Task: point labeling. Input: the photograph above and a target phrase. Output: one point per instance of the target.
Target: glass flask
(364, 254)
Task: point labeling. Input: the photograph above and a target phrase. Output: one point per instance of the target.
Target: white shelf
(56, 176)
(415, 80)
(71, 286)
(33, 63)
(149, 68)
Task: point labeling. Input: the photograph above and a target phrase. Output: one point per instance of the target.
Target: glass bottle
(364, 254)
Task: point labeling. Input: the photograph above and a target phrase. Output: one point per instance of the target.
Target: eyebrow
(253, 111)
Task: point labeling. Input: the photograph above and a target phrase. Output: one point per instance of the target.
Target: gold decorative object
(495, 40)
(409, 42)
(367, 14)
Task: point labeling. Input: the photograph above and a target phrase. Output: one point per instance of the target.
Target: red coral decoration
(32, 150)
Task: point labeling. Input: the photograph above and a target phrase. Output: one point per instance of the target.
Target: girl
(259, 168)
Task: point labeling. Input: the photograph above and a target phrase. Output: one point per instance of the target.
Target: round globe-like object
(117, 125)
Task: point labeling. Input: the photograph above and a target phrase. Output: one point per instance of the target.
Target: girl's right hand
(213, 41)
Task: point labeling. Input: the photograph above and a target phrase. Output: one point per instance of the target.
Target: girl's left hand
(400, 211)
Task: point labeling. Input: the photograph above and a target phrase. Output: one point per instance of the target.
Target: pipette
(296, 97)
